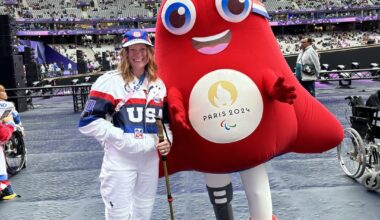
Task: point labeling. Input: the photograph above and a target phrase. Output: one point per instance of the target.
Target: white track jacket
(130, 130)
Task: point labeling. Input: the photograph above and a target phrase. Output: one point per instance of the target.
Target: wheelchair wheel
(15, 153)
(371, 181)
(351, 154)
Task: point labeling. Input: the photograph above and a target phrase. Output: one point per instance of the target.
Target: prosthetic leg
(256, 187)
(220, 192)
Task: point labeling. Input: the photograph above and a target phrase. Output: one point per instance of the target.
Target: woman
(120, 114)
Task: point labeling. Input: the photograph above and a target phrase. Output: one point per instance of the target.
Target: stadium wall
(364, 55)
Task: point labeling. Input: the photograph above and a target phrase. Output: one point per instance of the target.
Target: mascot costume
(234, 102)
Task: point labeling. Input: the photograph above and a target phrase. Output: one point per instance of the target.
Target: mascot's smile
(212, 44)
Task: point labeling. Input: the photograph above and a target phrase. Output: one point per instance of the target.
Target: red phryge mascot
(234, 102)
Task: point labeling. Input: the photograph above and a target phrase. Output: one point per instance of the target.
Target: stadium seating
(274, 5)
(64, 9)
(289, 44)
(114, 9)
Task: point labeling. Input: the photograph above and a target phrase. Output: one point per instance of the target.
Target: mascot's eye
(178, 16)
(234, 10)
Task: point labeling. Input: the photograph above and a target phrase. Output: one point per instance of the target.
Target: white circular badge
(225, 106)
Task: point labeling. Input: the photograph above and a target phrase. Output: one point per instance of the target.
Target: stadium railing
(78, 92)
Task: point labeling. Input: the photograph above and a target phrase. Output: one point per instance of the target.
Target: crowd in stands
(119, 9)
(275, 5)
(289, 44)
(104, 56)
(69, 9)
(72, 9)
(280, 5)
(333, 4)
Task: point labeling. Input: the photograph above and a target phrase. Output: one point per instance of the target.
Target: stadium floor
(61, 178)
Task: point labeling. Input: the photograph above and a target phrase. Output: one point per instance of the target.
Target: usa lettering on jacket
(135, 114)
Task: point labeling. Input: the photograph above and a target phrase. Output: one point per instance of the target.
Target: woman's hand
(163, 148)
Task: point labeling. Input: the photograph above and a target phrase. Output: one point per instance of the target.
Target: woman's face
(137, 55)
(3, 95)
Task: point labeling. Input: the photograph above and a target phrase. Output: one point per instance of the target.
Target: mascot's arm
(177, 108)
(280, 90)
(6, 129)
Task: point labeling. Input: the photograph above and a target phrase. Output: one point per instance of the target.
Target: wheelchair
(359, 152)
(15, 152)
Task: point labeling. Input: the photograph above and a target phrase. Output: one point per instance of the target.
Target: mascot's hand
(179, 116)
(283, 92)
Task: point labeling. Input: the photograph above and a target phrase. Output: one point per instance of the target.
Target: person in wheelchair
(374, 100)
(6, 130)
(365, 116)
(3, 100)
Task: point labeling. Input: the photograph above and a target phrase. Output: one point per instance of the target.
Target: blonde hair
(3, 93)
(126, 69)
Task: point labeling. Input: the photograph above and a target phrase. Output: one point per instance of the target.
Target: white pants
(256, 186)
(3, 166)
(129, 193)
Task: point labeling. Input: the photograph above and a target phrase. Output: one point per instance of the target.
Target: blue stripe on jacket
(87, 120)
(95, 108)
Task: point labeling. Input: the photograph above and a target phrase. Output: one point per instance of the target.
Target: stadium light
(355, 65)
(341, 67)
(346, 83)
(374, 65)
(344, 75)
(87, 79)
(376, 69)
(36, 83)
(50, 82)
(74, 81)
(323, 73)
(47, 84)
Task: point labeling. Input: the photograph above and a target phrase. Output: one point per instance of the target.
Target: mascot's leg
(256, 186)
(220, 192)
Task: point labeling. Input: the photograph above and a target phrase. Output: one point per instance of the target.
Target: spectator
(51, 69)
(62, 67)
(43, 70)
(70, 68)
(307, 66)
